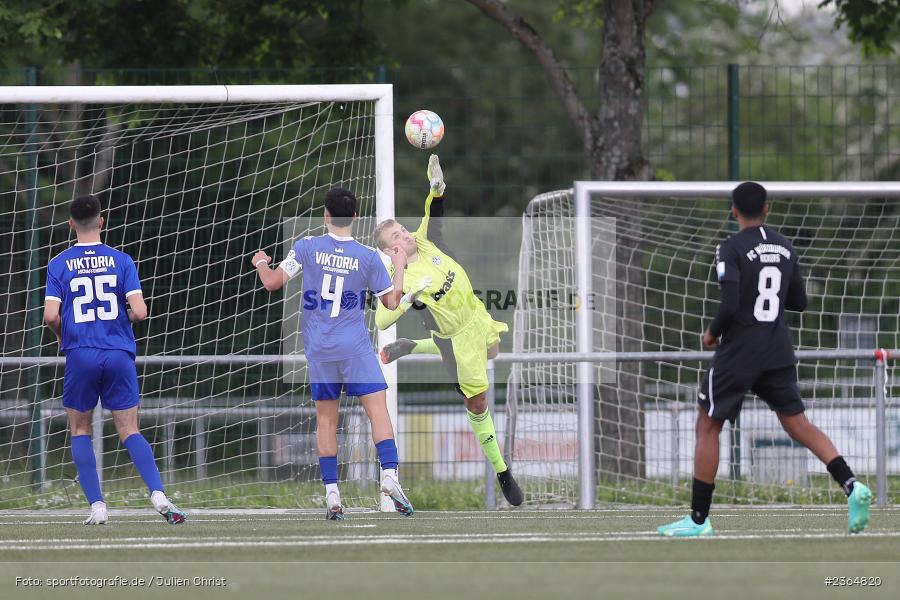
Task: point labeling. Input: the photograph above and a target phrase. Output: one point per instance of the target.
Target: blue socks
(387, 456)
(387, 453)
(86, 465)
(142, 456)
(328, 467)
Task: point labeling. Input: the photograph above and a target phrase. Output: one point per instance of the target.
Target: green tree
(611, 137)
(270, 34)
(874, 24)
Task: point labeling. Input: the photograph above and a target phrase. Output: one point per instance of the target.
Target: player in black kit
(759, 279)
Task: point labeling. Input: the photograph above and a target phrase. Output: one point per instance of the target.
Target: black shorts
(722, 391)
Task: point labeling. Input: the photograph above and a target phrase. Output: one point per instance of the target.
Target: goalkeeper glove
(436, 176)
(409, 297)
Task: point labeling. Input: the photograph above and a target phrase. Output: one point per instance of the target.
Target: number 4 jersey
(760, 278)
(337, 271)
(91, 282)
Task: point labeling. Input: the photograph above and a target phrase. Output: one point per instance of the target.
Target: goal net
(666, 294)
(192, 181)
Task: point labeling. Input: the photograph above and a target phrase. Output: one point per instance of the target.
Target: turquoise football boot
(174, 515)
(858, 508)
(391, 487)
(686, 528)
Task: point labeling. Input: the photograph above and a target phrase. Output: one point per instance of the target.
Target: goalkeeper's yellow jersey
(450, 301)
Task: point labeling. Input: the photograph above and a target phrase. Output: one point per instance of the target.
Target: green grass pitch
(264, 554)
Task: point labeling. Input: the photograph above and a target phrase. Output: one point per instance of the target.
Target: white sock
(98, 505)
(332, 488)
(160, 501)
(392, 473)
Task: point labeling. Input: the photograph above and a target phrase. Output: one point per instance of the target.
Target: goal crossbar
(702, 189)
(193, 94)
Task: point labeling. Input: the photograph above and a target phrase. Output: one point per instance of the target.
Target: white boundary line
(418, 518)
(320, 541)
(414, 537)
(145, 517)
(718, 510)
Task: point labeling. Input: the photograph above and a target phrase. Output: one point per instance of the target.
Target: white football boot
(99, 514)
(390, 486)
(334, 509)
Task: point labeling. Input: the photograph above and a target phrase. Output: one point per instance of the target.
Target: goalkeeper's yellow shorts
(464, 354)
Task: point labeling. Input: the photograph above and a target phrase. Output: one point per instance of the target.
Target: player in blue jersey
(93, 296)
(338, 272)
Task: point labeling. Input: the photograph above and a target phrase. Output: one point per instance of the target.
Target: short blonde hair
(379, 230)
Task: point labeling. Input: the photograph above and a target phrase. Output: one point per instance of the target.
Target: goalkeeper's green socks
(426, 346)
(483, 427)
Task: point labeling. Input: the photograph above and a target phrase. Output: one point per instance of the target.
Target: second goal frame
(583, 192)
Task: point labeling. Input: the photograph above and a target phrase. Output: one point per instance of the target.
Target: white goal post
(196, 177)
(661, 236)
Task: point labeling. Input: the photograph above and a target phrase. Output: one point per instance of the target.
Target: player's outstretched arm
(422, 232)
(137, 308)
(436, 190)
(272, 279)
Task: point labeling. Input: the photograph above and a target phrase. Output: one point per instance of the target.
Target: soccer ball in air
(424, 129)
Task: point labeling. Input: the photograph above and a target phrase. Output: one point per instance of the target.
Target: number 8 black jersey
(759, 277)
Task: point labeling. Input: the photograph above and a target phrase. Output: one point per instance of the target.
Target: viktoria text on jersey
(337, 262)
(90, 262)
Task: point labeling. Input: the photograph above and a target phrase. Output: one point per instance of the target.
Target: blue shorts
(93, 373)
(357, 376)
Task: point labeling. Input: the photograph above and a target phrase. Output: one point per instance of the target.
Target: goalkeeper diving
(462, 331)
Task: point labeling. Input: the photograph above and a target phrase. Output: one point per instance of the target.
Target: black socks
(701, 499)
(842, 474)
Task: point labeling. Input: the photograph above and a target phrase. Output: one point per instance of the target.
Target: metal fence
(508, 137)
(585, 463)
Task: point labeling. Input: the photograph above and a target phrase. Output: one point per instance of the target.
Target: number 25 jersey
(91, 282)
